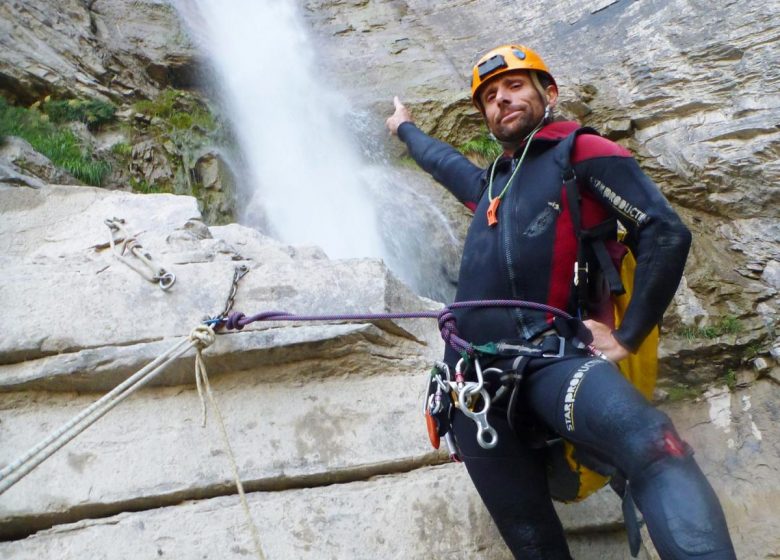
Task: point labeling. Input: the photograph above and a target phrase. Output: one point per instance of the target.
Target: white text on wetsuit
(571, 393)
(620, 203)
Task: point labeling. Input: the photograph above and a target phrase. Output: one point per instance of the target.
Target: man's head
(513, 89)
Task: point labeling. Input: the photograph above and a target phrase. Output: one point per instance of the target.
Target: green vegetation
(172, 133)
(483, 146)
(177, 111)
(752, 351)
(142, 186)
(731, 379)
(55, 141)
(182, 124)
(681, 393)
(727, 325)
(91, 112)
(122, 149)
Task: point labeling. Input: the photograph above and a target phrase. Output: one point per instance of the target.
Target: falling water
(306, 182)
(302, 164)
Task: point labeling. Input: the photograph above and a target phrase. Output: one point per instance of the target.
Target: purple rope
(445, 317)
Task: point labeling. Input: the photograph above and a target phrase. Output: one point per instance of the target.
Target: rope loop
(448, 325)
(234, 321)
(203, 336)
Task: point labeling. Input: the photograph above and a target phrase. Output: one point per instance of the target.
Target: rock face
(315, 413)
(108, 48)
(323, 419)
(689, 89)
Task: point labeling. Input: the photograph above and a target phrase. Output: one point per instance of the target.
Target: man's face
(512, 106)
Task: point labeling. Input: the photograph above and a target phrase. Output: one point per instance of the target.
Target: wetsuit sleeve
(660, 239)
(446, 164)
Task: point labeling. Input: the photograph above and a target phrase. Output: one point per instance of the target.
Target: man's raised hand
(400, 116)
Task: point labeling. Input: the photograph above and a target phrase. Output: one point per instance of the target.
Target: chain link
(238, 273)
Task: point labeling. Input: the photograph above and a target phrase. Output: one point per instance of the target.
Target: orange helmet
(506, 58)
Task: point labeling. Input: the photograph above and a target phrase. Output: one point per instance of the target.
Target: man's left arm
(661, 239)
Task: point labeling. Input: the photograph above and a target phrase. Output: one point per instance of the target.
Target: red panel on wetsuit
(589, 146)
(563, 256)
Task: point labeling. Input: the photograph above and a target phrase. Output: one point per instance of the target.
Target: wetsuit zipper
(504, 223)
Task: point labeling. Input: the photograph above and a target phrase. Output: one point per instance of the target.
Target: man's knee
(655, 440)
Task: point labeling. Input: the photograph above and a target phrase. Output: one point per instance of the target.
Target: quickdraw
(125, 242)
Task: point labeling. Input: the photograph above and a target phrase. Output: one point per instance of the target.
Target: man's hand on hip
(604, 341)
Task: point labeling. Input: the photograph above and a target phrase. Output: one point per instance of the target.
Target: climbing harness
(125, 242)
(444, 393)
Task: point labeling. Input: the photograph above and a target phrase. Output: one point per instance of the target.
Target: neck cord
(517, 167)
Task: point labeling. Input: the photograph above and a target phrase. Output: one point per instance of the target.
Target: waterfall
(304, 170)
(306, 182)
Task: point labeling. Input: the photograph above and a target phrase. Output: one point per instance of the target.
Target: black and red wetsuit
(530, 255)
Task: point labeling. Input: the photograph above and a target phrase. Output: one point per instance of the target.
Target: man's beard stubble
(516, 132)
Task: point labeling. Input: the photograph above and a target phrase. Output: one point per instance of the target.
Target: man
(522, 244)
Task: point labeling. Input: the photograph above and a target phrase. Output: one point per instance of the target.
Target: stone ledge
(101, 369)
(431, 512)
(152, 445)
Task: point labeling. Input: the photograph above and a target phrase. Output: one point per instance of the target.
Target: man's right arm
(446, 164)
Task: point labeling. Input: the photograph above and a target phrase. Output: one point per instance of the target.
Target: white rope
(202, 383)
(201, 337)
(14, 472)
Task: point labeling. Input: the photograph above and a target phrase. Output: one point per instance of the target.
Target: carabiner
(434, 387)
(166, 279)
(460, 376)
(452, 448)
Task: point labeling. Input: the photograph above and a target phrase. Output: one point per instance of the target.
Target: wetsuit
(529, 254)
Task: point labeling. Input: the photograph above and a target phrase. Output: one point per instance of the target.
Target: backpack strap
(594, 237)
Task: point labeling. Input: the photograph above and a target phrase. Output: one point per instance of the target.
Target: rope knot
(234, 321)
(203, 336)
(448, 325)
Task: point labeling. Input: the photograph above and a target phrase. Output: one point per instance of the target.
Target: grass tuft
(91, 112)
(55, 141)
(727, 325)
(483, 146)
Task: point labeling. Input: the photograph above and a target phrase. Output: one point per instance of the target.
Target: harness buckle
(579, 269)
(561, 350)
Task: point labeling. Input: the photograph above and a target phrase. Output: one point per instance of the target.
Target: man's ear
(552, 95)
